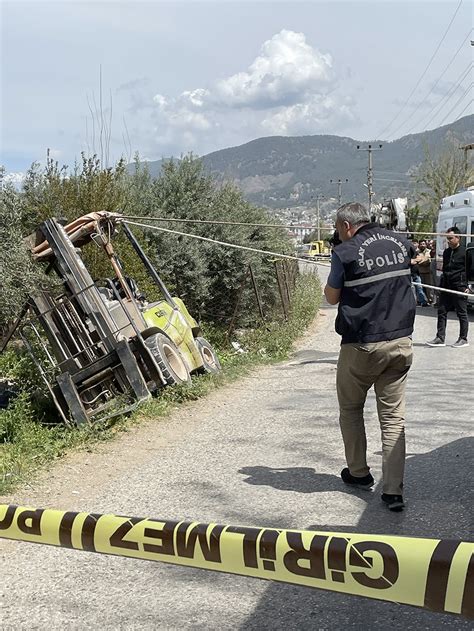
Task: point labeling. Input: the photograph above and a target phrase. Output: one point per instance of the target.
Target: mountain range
(289, 171)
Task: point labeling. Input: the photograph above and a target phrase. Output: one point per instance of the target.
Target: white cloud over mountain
(286, 71)
(289, 88)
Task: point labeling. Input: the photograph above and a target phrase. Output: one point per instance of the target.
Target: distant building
(301, 231)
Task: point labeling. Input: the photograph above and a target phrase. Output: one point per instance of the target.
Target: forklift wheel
(210, 360)
(169, 359)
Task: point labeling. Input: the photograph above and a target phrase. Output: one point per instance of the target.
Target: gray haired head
(354, 213)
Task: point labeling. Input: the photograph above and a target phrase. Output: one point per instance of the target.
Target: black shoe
(394, 502)
(366, 482)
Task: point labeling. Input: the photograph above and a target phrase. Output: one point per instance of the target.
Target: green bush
(19, 275)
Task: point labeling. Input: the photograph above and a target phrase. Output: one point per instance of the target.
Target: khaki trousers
(385, 366)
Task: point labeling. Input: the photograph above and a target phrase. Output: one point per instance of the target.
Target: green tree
(19, 275)
(419, 220)
(441, 175)
(56, 192)
(208, 275)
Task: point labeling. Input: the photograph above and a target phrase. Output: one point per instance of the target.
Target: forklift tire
(169, 359)
(210, 360)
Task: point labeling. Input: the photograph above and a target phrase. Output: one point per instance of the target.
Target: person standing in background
(432, 246)
(415, 275)
(424, 267)
(453, 278)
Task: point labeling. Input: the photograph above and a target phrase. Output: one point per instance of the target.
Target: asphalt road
(265, 451)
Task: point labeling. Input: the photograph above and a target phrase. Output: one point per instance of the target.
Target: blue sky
(196, 76)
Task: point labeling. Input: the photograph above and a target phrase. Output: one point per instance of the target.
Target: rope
(465, 294)
(271, 225)
(225, 243)
(232, 223)
(258, 251)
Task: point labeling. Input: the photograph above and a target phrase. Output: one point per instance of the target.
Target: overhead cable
(391, 172)
(461, 114)
(468, 89)
(422, 74)
(384, 179)
(433, 87)
(448, 95)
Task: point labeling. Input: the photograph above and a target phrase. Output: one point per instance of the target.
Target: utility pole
(339, 183)
(370, 179)
(318, 220)
(466, 148)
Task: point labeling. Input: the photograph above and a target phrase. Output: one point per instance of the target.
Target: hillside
(281, 172)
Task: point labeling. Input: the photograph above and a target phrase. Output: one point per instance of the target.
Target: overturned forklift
(100, 347)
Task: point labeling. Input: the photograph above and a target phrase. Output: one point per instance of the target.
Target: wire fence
(264, 295)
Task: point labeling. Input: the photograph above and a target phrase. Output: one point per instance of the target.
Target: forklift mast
(93, 361)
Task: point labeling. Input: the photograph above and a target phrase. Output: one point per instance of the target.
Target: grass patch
(28, 442)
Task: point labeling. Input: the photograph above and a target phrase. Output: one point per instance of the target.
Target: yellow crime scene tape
(435, 574)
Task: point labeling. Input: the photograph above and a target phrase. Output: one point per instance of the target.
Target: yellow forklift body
(178, 324)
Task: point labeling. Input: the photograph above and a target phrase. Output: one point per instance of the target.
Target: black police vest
(377, 302)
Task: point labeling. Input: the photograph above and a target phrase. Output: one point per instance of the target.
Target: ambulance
(457, 210)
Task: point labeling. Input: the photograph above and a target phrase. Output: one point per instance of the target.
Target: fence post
(257, 293)
(237, 303)
(281, 290)
(287, 284)
(294, 273)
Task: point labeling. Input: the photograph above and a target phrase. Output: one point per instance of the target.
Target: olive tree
(441, 175)
(19, 275)
(209, 275)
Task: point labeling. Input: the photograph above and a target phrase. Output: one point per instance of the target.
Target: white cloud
(160, 101)
(55, 154)
(196, 97)
(14, 178)
(286, 70)
(317, 114)
(289, 88)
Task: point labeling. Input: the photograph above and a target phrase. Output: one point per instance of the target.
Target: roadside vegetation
(208, 276)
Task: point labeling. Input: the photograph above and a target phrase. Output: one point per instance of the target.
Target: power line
(460, 115)
(423, 73)
(449, 94)
(383, 179)
(410, 116)
(405, 176)
(393, 172)
(469, 87)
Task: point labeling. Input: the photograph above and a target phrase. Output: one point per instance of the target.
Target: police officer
(370, 279)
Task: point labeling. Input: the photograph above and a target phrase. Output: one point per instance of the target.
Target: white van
(455, 210)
